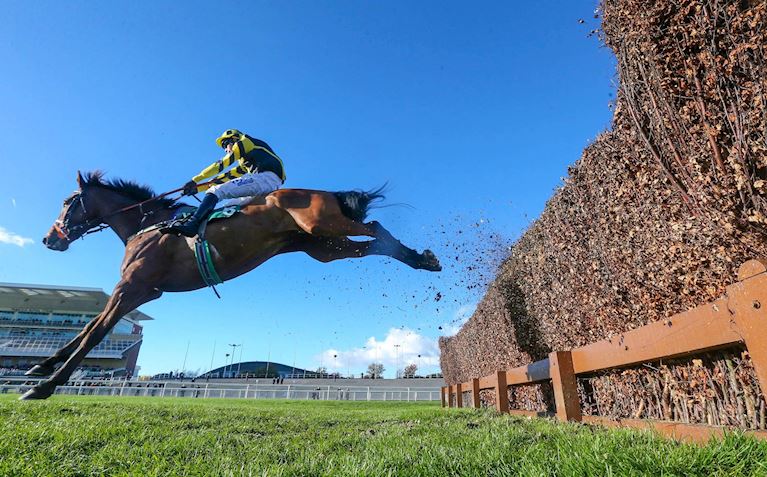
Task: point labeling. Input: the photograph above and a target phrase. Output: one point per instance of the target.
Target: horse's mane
(130, 189)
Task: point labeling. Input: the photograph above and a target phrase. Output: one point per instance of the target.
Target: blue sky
(471, 111)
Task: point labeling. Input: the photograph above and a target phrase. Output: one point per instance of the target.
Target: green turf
(84, 436)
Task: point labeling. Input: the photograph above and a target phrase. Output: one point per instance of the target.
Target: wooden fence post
(565, 386)
(475, 392)
(501, 392)
(747, 301)
(441, 395)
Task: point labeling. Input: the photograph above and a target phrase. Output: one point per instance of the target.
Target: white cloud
(13, 201)
(400, 347)
(460, 317)
(13, 239)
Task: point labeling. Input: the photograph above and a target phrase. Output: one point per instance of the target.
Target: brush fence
(740, 317)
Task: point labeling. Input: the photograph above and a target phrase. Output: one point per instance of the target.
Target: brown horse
(288, 220)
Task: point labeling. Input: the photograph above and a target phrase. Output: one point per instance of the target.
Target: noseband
(63, 229)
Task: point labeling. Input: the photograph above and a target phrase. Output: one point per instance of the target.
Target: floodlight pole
(396, 361)
(183, 366)
(268, 357)
(419, 362)
(234, 346)
(364, 354)
(335, 362)
(240, 362)
(211, 360)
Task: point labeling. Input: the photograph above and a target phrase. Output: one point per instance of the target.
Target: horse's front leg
(47, 366)
(127, 296)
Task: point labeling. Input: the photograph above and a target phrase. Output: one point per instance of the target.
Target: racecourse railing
(738, 318)
(232, 391)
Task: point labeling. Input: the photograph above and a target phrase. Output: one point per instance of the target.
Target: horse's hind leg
(319, 215)
(386, 244)
(126, 297)
(327, 249)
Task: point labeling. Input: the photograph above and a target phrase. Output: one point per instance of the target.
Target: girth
(202, 254)
(205, 260)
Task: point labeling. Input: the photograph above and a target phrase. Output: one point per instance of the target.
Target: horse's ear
(80, 180)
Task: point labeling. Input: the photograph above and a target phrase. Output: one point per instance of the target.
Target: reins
(95, 225)
(133, 206)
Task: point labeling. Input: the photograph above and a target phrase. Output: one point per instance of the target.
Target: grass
(95, 436)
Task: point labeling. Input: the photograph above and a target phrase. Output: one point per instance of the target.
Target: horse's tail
(356, 203)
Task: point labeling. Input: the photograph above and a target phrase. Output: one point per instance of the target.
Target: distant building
(37, 320)
(261, 369)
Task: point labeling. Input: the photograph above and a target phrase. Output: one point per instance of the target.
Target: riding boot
(191, 226)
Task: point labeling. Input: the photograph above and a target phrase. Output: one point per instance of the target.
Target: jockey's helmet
(232, 134)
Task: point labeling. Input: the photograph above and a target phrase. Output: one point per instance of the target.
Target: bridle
(78, 231)
(63, 229)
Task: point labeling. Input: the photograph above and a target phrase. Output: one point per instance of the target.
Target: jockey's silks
(251, 155)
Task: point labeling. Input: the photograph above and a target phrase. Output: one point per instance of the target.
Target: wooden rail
(737, 318)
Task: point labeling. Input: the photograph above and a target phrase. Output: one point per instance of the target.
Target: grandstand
(37, 320)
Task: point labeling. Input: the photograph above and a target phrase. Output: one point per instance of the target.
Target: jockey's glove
(190, 188)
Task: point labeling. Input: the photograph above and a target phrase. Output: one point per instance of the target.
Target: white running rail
(232, 391)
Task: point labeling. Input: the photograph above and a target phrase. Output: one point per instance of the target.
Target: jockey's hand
(190, 188)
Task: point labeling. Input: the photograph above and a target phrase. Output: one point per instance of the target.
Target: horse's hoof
(36, 393)
(40, 370)
(430, 262)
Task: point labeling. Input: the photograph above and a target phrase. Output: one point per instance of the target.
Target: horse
(317, 223)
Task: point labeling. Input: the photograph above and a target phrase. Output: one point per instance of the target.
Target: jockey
(258, 171)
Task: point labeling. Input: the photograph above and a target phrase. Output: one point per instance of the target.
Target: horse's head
(73, 221)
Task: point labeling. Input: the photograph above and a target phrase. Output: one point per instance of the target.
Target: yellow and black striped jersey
(250, 156)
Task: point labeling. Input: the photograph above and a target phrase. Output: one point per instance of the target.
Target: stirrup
(174, 227)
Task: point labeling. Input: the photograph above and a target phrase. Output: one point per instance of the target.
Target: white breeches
(247, 185)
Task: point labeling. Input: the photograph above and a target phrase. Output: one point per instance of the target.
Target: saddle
(186, 211)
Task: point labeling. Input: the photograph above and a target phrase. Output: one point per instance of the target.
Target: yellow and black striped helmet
(228, 134)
